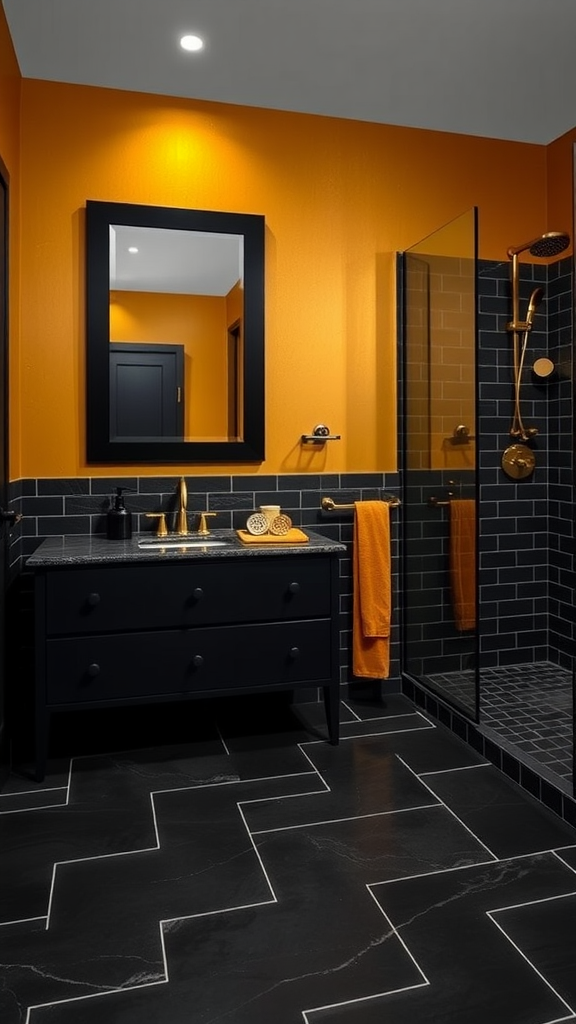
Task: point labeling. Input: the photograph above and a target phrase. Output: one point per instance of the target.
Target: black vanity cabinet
(182, 629)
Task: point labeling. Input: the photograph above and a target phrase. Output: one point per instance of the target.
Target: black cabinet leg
(332, 707)
(42, 733)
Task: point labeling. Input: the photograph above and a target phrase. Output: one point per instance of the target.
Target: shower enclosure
(487, 427)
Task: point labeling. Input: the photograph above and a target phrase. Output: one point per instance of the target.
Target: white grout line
(31, 792)
(556, 1020)
(462, 768)
(96, 995)
(39, 807)
(351, 710)
(377, 995)
(454, 815)
(337, 821)
(530, 903)
(364, 999)
(370, 735)
(22, 920)
(561, 859)
(51, 789)
(376, 718)
(437, 871)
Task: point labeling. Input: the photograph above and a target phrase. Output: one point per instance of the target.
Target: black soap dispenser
(119, 519)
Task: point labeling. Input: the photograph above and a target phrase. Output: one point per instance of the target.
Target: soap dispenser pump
(119, 519)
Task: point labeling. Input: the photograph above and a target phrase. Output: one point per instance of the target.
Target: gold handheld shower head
(535, 300)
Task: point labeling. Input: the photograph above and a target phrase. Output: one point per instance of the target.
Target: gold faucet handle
(202, 527)
(162, 530)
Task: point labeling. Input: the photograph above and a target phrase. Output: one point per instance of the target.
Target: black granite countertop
(100, 551)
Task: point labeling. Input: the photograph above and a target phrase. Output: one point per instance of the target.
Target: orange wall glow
(340, 198)
(10, 88)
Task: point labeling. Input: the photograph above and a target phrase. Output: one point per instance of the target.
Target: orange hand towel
(463, 562)
(372, 590)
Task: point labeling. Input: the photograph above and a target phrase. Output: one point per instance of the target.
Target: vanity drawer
(188, 594)
(187, 662)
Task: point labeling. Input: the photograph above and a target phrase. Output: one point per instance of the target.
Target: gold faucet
(182, 527)
(162, 530)
(203, 530)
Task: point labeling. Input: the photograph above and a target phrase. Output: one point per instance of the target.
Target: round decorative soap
(257, 524)
(280, 525)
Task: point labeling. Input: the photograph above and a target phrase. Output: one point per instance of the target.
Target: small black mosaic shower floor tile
(538, 700)
(527, 706)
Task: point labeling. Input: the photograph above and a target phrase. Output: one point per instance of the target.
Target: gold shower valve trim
(518, 461)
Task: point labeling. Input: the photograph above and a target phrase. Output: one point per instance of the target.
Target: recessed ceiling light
(191, 43)
(132, 248)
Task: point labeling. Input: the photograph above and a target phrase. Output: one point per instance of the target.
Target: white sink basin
(159, 543)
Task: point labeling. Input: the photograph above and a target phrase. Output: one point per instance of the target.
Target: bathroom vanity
(117, 624)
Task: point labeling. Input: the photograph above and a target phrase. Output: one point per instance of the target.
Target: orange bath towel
(463, 562)
(372, 590)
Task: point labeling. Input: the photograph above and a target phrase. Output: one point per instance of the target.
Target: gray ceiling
(497, 68)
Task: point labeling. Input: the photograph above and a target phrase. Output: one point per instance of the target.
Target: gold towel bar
(436, 502)
(329, 505)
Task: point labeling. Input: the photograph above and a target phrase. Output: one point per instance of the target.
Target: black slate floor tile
(499, 813)
(358, 778)
(471, 971)
(544, 931)
(252, 873)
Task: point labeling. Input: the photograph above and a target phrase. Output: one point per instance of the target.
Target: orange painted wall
(10, 87)
(339, 197)
(560, 180)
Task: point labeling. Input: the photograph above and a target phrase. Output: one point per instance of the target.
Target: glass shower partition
(439, 472)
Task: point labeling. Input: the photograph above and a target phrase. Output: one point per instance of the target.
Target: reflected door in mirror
(146, 392)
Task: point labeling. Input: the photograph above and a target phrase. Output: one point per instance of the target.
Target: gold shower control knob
(518, 461)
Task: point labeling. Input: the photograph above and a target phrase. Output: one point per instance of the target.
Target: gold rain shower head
(552, 243)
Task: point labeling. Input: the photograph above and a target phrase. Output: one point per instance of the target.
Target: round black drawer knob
(294, 588)
(93, 670)
(197, 661)
(294, 653)
(93, 600)
(197, 593)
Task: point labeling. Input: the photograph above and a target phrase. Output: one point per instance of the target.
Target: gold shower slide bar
(329, 505)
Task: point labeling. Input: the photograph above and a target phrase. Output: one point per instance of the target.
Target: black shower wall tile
(526, 550)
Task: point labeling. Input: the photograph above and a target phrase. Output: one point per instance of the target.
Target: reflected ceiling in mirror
(181, 262)
(175, 335)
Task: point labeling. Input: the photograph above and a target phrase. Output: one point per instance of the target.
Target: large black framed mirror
(175, 334)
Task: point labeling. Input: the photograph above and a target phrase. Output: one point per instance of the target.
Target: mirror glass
(175, 333)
